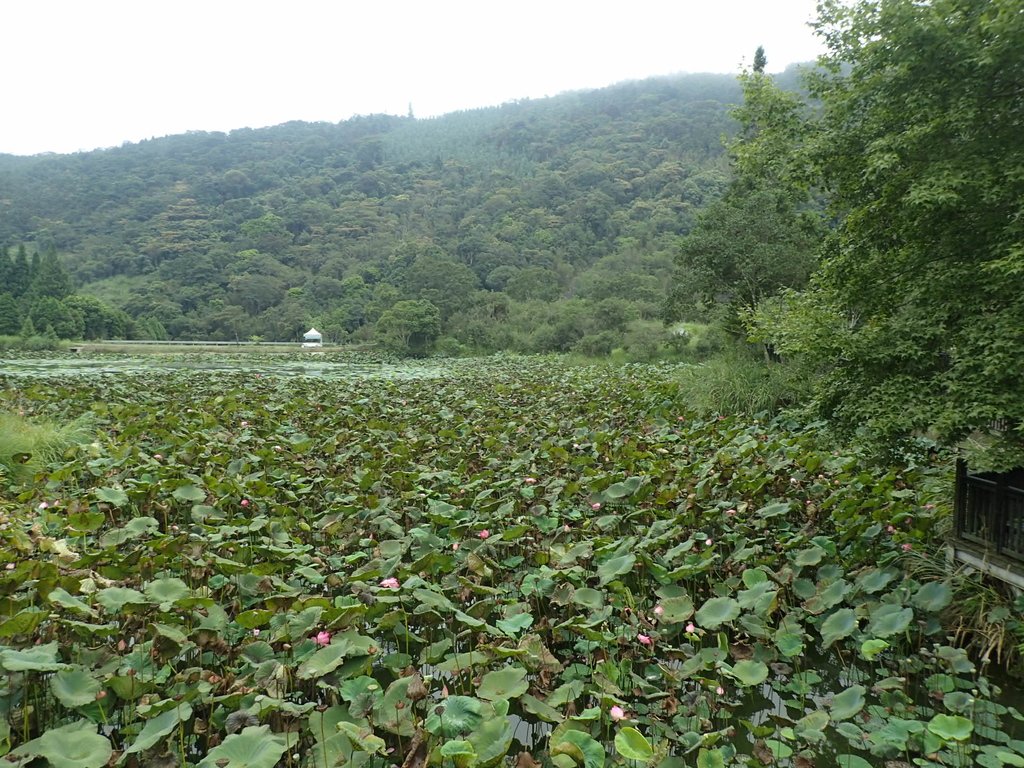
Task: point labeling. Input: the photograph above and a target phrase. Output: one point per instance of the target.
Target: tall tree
(20, 273)
(920, 149)
(50, 278)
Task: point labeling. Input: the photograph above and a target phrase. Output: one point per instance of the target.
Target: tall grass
(737, 380)
(27, 447)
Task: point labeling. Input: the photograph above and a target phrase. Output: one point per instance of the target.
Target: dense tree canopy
(569, 199)
(920, 289)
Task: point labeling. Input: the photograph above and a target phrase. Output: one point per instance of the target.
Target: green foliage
(214, 236)
(352, 604)
(409, 328)
(28, 445)
(737, 380)
(918, 146)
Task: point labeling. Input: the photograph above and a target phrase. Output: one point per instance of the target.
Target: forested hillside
(540, 225)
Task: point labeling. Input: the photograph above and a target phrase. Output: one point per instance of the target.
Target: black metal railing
(990, 510)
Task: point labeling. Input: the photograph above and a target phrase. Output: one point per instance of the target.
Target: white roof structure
(312, 335)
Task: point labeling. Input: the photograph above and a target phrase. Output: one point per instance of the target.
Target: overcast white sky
(81, 74)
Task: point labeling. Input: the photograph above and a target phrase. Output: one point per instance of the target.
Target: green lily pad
(461, 715)
(676, 609)
(840, 624)
(848, 703)
(889, 620)
(633, 745)
(717, 611)
(750, 673)
(41, 658)
(933, 597)
(166, 591)
(507, 683)
(613, 567)
(254, 747)
(582, 744)
(160, 727)
(588, 598)
(74, 687)
(951, 727)
(113, 599)
(74, 746)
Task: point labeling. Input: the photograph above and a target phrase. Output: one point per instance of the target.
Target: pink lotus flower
(730, 512)
(245, 502)
(890, 529)
(455, 546)
(390, 583)
(255, 633)
(9, 567)
(907, 547)
(595, 506)
(645, 639)
(323, 638)
(530, 480)
(245, 424)
(691, 628)
(720, 691)
(708, 542)
(158, 456)
(484, 534)
(617, 713)
(659, 610)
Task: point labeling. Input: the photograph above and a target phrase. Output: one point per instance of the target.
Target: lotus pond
(509, 561)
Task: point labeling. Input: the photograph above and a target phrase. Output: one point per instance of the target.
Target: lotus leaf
(254, 747)
(951, 727)
(627, 487)
(393, 711)
(513, 625)
(166, 591)
(461, 715)
(633, 745)
(933, 596)
(23, 622)
(710, 758)
(615, 566)
(541, 709)
(810, 556)
(749, 673)
(590, 750)
(676, 609)
(159, 728)
(64, 599)
(848, 703)
(588, 598)
(41, 658)
(74, 687)
(494, 737)
(888, 620)
(113, 496)
(507, 683)
(852, 761)
(875, 579)
(73, 746)
(840, 624)
(189, 494)
(870, 649)
(717, 611)
(461, 753)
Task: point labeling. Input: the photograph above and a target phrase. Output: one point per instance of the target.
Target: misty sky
(82, 74)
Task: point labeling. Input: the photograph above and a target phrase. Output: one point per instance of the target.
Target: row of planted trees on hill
(872, 236)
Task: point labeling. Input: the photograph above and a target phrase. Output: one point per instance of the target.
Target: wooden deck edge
(1001, 568)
